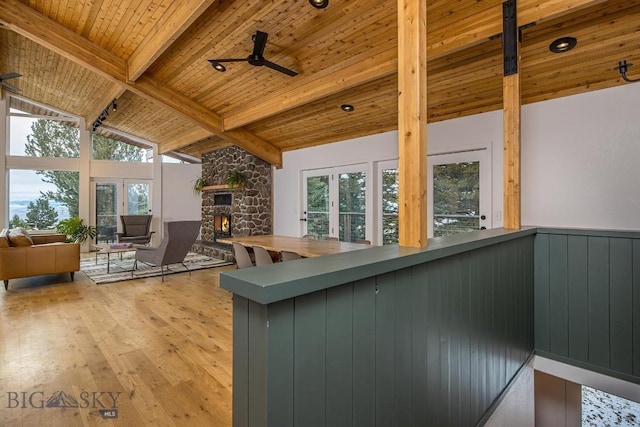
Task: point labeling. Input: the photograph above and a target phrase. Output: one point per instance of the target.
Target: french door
(460, 199)
(459, 195)
(112, 197)
(335, 203)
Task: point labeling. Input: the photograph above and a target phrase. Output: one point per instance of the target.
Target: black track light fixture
(114, 105)
(622, 67)
(319, 4)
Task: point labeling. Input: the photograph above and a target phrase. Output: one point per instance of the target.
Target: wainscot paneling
(587, 299)
(434, 340)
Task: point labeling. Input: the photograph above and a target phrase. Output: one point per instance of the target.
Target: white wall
(178, 200)
(580, 161)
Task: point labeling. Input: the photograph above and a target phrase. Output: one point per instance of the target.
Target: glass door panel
(106, 209)
(334, 203)
(456, 198)
(389, 205)
(460, 200)
(113, 197)
(317, 206)
(352, 206)
(138, 199)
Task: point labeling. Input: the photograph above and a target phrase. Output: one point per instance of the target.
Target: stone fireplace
(229, 212)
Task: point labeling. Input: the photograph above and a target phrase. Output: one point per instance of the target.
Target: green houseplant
(236, 179)
(198, 184)
(75, 230)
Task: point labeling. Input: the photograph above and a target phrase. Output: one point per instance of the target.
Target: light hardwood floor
(165, 347)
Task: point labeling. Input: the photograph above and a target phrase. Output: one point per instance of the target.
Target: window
(38, 200)
(104, 148)
(37, 137)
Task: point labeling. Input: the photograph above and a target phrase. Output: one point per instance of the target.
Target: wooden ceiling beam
(458, 35)
(176, 19)
(46, 32)
(478, 28)
(185, 139)
(98, 107)
(33, 25)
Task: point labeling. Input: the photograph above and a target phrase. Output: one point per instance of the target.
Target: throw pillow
(19, 237)
(4, 238)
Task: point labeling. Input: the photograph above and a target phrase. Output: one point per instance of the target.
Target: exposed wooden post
(511, 120)
(412, 122)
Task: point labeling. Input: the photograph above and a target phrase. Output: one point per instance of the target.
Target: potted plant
(198, 184)
(76, 231)
(236, 179)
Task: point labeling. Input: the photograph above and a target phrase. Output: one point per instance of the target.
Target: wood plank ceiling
(152, 56)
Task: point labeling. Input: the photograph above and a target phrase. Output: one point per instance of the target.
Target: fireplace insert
(222, 225)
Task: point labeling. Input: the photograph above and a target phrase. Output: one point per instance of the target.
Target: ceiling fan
(256, 58)
(4, 77)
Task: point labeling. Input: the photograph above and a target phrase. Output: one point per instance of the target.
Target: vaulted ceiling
(152, 56)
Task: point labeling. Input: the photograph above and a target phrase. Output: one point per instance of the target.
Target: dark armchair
(135, 229)
(178, 238)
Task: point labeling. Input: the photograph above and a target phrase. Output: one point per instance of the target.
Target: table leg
(108, 261)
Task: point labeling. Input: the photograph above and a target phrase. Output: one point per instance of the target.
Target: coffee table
(109, 250)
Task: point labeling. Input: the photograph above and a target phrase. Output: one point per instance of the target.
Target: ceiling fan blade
(10, 87)
(227, 60)
(279, 68)
(10, 76)
(259, 43)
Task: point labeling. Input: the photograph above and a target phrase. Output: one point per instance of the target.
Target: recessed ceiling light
(218, 66)
(563, 44)
(347, 107)
(319, 4)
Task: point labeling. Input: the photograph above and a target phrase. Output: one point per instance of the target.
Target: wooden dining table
(303, 247)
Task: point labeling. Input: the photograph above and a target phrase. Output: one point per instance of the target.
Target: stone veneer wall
(251, 207)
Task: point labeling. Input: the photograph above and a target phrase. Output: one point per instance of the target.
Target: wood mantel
(222, 187)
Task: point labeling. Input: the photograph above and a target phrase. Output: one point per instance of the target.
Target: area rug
(120, 269)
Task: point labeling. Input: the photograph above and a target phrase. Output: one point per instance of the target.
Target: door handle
(303, 219)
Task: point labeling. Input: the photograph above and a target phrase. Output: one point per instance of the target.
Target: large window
(104, 148)
(40, 199)
(37, 137)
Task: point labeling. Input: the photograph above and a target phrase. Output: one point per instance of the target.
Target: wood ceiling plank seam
(184, 77)
(91, 18)
(449, 13)
(313, 91)
(168, 144)
(97, 32)
(590, 50)
(195, 38)
(166, 31)
(240, 34)
(124, 26)
(599, 33)
(79, 16)
(539, 12)
(158, 21)
(576, 20)
(60, 39)
(330, 29)
(354, 61)
(377, 89)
